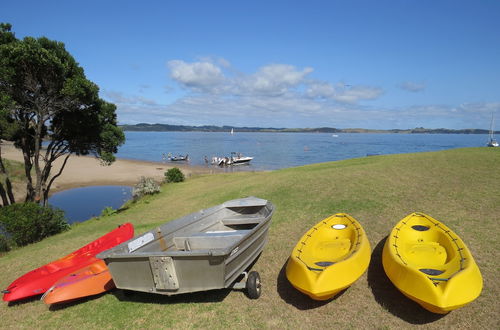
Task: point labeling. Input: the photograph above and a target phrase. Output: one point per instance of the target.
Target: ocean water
(281, 150)
(270, 151)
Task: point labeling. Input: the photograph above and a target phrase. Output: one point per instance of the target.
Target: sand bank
(81, 171)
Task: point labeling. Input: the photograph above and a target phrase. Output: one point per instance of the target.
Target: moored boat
(206, 250)
(87, 281)
(430, 264)
(492, 142)
(179, 158)
(38, 281)
(238, 158)
(330, 257)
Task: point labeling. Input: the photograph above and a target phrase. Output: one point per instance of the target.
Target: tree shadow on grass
(296, 298)
(389, 297)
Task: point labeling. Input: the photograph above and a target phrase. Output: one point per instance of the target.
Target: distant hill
(144, 127)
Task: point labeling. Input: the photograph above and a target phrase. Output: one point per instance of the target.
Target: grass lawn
(458, 187)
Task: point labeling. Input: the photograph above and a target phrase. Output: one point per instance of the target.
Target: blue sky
(372, 64)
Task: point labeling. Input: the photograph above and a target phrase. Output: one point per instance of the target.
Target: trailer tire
(253, 285)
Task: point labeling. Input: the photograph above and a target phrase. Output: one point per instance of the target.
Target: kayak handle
(5, 291)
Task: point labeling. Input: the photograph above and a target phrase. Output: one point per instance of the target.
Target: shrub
(27, 223)
(108, 211)
(4, 244)
(174, 175)
(146, 186)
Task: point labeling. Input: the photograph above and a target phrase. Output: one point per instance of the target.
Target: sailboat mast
(491, 125)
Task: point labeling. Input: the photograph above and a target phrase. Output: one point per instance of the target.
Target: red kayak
(41, 279)
(87, 281)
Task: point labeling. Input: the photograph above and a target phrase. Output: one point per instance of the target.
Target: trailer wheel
(254, 287)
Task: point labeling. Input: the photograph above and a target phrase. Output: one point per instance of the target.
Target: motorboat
(238, 158)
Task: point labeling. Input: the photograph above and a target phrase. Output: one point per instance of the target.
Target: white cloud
(320, 90)
(275, 79)
(343, 93)
(412, 86)
(293, 110)
(358, 93)
(120, 98)
(201, 76)
(282, 95)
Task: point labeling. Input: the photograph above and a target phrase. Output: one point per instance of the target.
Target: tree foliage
(46, 99)
(27, 223)
(174, 175)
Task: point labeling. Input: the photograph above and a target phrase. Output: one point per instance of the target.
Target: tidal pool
(80, 204)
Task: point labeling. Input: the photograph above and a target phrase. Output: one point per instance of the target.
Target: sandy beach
(81, 171)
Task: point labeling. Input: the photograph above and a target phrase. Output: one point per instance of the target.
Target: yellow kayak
(329, 257)
(430, 264)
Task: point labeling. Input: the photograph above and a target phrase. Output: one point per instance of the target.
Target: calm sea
(280, 150)
(270, 151)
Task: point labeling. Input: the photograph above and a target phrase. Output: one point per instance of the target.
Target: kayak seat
(329, 251)
(426, 254)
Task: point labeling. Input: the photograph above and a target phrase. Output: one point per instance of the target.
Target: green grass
(459, 187)
(16, 172)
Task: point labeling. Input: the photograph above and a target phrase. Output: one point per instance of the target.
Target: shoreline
(83, 171)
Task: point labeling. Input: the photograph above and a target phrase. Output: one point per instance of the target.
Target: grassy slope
(459, 187)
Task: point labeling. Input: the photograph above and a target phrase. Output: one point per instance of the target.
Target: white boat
(238, 158)
(235, 159)
(492, 142)
(179, 158)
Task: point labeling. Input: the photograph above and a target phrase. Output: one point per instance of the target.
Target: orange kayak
(87, 281)
(38, 281)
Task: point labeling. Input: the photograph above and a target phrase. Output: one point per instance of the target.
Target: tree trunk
(3, 195)
(30, 191)
(40, 179)
(45, 199)
(6, 195)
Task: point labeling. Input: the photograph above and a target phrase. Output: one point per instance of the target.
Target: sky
(274, 63)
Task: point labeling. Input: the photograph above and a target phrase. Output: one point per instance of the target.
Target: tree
(54, 109)
(7, 126)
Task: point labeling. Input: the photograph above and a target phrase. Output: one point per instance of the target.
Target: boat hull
(205, 250)
(87, 281)
(329, 258)
(430, 264)
(38, 281)
(242, 160)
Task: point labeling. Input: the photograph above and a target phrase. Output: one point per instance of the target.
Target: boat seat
(328, 251)
(243, 220)
(426, 254)
(209, 240)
